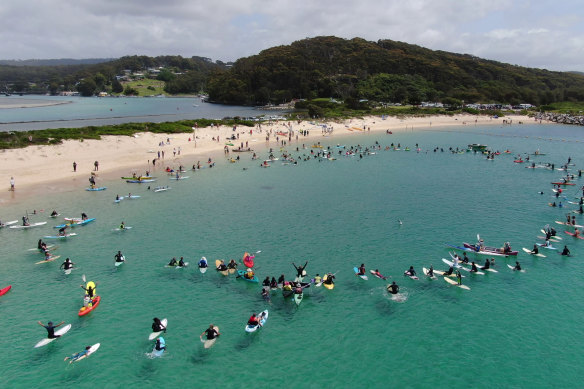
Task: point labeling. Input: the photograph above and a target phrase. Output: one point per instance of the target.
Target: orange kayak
(85, 310)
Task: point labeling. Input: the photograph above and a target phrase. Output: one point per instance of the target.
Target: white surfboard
(426, 273)
(512, 268)
(528, 251)
(208, 343)
(91, 350)
(62, 331)
(452, 282)
(154, 335)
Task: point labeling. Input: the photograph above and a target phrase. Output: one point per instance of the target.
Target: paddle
(83, 278)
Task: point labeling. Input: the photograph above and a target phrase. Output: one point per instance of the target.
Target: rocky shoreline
(561, 118)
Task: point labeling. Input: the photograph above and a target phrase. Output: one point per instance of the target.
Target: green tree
(117, 86)
(129, 91)
(87, 87)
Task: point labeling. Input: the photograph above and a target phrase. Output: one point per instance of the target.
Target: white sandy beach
(41, 169)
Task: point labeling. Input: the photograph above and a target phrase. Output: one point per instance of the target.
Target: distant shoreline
(29, 103)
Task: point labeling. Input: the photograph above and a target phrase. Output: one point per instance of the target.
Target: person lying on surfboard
(378, 274)
(78, 355)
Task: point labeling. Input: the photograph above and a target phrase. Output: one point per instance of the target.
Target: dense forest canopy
(322, 67)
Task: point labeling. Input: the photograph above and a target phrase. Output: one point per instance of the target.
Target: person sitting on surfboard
(67, 264)
(232, 264)
(465, 258)
(78, 355)
(517, 266)
(51, 329)
(181, 262)
(281, 279)
(54, 213)
(393, 288)
(361, 270)
(565, 251)
(203, 262)
(487, 264)
(122, 226)
(211, 333)
(119, 257)
(159, 346)
(83, 216)
(410, 272)
(157, 326)
(222, 266)
(430, 272)
(535, 250)
(449, 271)
(274, 283)
(473, 267)
(173, 262)
(253, 320)
(266, 281)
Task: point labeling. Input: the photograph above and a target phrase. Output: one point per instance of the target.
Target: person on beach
(51, 329)
(78, 355)
(565, 251)
(173, 262)
(211, 333)
(393, 288)
(12, 184)
(74, 166)
(157, 325)
(67, 264)
(96, 166)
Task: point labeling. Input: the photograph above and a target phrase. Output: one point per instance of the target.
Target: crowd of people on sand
(297, 286)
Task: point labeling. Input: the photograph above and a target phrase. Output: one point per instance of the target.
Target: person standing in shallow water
(74, 166)
(96, 166)
(12, 184)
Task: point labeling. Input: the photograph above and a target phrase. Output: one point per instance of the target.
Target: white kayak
(452, 282)
(29, 226)
(263, 318)
(60, 332)
(155, 335)
(208, 343)
(528, 251)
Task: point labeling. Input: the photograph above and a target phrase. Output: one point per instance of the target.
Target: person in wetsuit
(273, 283)
(464, 258)
(566, 251)
(473, 268)
(430, 271)
(89, 291)
(393, 288)
(330, 279)
(410, 272)
(211, 333)
(266, 281)
(535, 250)
(182, 263)
(449, 271)
(157, 325)
(517, 266)
(51, 329)
(67, 264)
(299, 269)
(487, 264)
(232, 264)
(361, 270)
(173, 262)
(119, 257)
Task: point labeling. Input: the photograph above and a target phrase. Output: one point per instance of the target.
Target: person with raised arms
(51, 329)
(300, 269)
(89, 290)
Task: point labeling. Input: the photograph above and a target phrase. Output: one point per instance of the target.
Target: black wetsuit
(210, 333)
(393, 289)
(51, 332)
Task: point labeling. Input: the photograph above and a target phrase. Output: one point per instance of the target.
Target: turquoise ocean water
(510, 330)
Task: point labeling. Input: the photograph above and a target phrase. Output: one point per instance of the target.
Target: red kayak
(519, 161)
(3, 291)
(574, 235)
(94, 303)
(248, 260)
(563, 183)
(494, 250)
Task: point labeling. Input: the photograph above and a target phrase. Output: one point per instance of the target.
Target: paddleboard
(29, 226)
(68, 271)
(542, 245)
(60, 332)
(208, 343)
(51, 259)
(452, 282)
(9, 223)
(574, 235)
(263, 318)
(122, 229)
(91, 350)
(60, 236)
(528, 251)
(363, 277)
(378, 275)
(96, 189)
(155, 335)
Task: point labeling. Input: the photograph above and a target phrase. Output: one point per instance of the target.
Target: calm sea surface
(72, 112)
(511, 330)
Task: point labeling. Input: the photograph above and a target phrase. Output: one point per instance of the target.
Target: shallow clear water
(94, 111)
(510, 330)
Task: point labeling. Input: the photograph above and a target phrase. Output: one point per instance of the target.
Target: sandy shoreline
(6, 103)
(42, 169)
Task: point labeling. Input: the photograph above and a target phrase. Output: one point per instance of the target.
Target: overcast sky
(538, 33)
